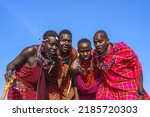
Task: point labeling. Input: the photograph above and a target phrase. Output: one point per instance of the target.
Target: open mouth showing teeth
(66, 48)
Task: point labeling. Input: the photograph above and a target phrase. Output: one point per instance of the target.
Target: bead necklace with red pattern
(106, 66)
(48, 63)
(85, 70)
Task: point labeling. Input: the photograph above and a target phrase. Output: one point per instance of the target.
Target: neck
(106, 51)
(85, 61)
(64, 54)
(85, 67)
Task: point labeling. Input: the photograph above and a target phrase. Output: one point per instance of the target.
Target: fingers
(141, 97)
(8, 75)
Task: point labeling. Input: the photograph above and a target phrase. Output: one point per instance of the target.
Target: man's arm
(20, 59)
(140, 89)
(74, 72)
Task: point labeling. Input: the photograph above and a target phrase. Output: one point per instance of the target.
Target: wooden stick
(7, 86)
(51, 67)
(69, 86)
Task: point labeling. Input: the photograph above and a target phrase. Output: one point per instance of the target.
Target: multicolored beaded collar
(46, 62)
(106, 66)
(85, 70)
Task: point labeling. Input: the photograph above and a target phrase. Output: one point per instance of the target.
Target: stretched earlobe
(78, 55)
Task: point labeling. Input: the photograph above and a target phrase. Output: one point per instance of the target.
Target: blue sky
(23, 22)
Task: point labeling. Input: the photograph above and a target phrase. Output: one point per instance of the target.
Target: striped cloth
(121, 79)
(17, 91)
(25, 86)
(61, 86)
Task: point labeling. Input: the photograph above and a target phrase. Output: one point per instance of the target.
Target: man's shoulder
(123, 48)
(74, 65)
(121, 45)
(30, 49)
(73, 51)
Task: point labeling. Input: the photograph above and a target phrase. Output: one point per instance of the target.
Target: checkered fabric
(121, 80)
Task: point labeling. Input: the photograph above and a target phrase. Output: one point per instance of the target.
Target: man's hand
(8, 75)
(141, 97)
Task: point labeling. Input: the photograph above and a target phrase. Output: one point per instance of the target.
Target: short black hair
(101, 31)
(84, 40)
(66, 31)
(50, 33)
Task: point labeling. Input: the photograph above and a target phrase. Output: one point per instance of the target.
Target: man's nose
(97, 44)
(67, 42)
(85, 53)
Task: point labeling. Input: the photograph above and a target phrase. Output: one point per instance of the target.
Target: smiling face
(65, 43)
(84, 50)
(51, 46)
(101, 42)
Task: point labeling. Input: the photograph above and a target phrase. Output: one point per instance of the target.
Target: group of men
(54, 70)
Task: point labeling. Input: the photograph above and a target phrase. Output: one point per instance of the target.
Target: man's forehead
(52, 39)
(84, 45)
(84, 48)
(100, 36)
(65, 36)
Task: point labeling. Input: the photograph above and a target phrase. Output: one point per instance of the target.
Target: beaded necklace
(48, 63)
(85, 70)
(64, 60)
(106, 66)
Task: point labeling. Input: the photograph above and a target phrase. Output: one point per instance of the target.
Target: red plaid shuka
(61, 86)
(17, 91)
(120, 71)
(24, 87)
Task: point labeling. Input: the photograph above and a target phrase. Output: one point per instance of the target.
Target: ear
(78, 55)
(107, 40)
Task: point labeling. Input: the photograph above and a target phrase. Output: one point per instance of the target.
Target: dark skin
(84, 50)
(65, 43)
(28, 56)
(101, 43)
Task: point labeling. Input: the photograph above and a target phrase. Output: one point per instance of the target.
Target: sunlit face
(65, 42)
(51, 46)
(84, 50)
(100, 42)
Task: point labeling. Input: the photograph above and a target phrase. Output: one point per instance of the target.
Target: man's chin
(99, 51)
(86, 59)
(65, 50)
(53, 54)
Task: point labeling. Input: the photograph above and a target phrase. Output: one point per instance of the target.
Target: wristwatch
(141, 92)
